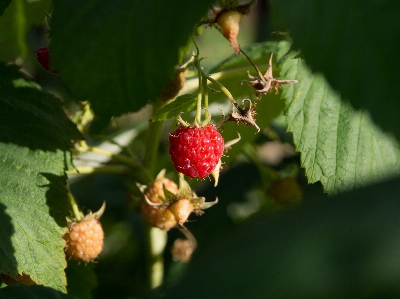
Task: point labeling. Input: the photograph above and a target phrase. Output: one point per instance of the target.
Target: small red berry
(43, 57)
(229, 22)
(195, 152)
(84, 239)
(160, 216)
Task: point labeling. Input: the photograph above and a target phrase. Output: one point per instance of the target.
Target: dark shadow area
(231, 188)
(30, 117)
(8, 263)
(56, 198)
(21, 291)
(345, 246)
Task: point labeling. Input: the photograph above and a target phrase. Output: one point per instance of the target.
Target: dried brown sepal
(265, 83)
(242, 115)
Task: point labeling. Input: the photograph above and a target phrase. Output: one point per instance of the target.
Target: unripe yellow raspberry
(84, 240)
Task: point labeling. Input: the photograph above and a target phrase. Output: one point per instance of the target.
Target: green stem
(139, 172)
(152, 144)
(103, 169)
(181, 180)
(204, 91)
(199, 94)
(116, 157)
(20, 34)
(223, 88)
(74, 205)
(252, 63)
(155, 238)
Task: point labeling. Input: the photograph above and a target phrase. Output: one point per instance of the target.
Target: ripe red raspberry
(161, 216)
(229, 22)
(43, 57)
(195, 152)
(84, 239)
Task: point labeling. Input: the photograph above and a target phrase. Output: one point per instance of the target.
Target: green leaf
(3, 5)
(357, 54)
(15, 24)
(339, 146)
(31, 292)
(35, 137)
(183, 103)
(337, 247)
(127, 63)
(81, 279)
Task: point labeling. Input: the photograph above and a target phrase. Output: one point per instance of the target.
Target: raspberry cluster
(195, 152)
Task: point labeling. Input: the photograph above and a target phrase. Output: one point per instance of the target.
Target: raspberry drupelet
(195, 152)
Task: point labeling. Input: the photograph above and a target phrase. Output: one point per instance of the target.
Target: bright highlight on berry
(195, 152)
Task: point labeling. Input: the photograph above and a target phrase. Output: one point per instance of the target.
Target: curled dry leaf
(265, 83)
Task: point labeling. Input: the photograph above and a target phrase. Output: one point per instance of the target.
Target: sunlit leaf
(35, 137)
(339, 146)
(354, 44)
